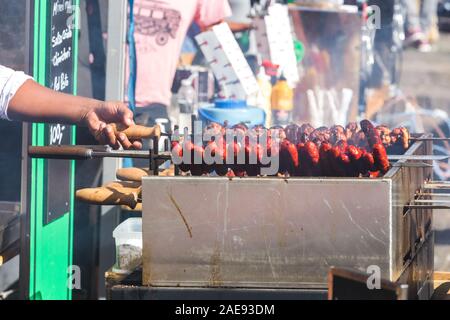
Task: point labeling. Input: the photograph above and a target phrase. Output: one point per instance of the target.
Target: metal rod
(431, 186)
(429, 139)
(431, 201)
(86, 153)
(417, 158)
(155, 162)
(129, 154)
(432, 207)
(439, 182)
(120, 154)
(412, 165)
(437, 195)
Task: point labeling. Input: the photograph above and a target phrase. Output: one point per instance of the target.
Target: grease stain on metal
(216, 279)
(189, 229)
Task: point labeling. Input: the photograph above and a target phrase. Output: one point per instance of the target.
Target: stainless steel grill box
(276, 233)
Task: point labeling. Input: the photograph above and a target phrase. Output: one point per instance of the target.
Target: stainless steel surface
(277, 233)
(261, 233)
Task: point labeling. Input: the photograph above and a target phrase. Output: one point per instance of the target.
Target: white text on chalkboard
(56, 134)
(61, 37)
(61, 82)
(61, 57)
(62, 6)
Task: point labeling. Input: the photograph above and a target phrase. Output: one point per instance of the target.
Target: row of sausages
(301, 151)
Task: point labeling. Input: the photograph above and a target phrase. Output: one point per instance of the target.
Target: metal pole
(115, 91)
(115, 68)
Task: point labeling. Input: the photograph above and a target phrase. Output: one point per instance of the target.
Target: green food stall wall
(51, 238)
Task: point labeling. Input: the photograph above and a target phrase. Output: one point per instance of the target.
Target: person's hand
(98, 118)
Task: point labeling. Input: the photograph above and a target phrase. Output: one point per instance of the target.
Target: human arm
(26, 100)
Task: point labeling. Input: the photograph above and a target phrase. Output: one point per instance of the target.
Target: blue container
(234, 112)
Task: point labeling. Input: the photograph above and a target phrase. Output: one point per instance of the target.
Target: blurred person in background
(190, 47)
(161, 27)
(421, 23)
(240, 21)
(241, 25)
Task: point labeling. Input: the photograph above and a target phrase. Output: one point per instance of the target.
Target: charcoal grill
(286, 233)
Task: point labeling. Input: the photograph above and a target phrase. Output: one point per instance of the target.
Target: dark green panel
(51, 220)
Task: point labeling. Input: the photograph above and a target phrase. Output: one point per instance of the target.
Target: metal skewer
(436, 195)
(86, 153)
(412, 165)
(426, 206)
(435, 185)
(417, 158)
(429, 139)
(432, 201)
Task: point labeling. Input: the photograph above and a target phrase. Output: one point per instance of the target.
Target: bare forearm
(35, 103)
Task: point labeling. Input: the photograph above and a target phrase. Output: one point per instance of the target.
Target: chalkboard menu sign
(61, 63)
(60, 78)
(47, 249)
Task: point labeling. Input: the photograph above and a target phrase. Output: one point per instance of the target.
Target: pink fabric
(161, 27)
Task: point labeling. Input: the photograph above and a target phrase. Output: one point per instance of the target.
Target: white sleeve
(10, 82)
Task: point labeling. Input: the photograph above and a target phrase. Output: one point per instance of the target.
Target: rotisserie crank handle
(61, 152)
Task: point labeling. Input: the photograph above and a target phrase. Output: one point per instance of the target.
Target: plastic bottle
(282, 102)
(265, 94)
(186, 100)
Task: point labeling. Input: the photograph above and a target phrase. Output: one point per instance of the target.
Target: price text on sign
(60, 77)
